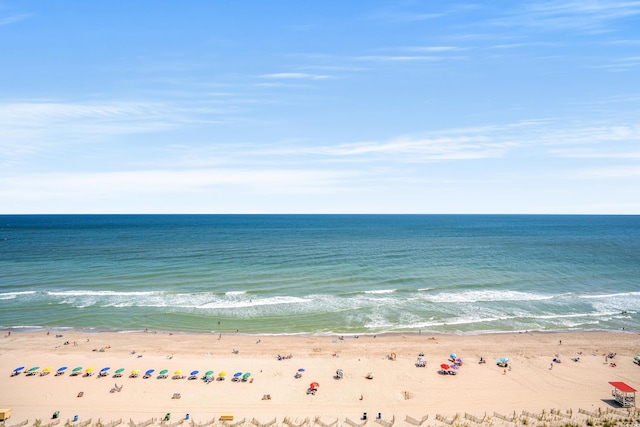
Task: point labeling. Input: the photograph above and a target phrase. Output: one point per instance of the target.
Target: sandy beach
(531, 382)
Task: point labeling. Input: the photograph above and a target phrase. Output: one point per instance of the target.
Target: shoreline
(399, 388)
(40, 329)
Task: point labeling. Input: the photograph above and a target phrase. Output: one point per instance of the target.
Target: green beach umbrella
(119, 371)
(78, 369)
(35, 368)
(246, 375)
(164, 372)
(209, 373)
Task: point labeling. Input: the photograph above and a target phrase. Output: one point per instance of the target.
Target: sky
(320, 106)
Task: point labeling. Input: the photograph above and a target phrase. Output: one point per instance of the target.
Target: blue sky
(320, 106)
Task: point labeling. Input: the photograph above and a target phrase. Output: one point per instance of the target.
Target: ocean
(320, 274)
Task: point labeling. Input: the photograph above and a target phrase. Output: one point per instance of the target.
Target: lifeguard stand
(624, 394)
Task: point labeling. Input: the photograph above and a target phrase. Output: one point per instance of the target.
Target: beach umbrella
(246, 375)
(237, 374)
(504, 359)
(61, 369)
(164, 372)
(222, 374)
(104, 370)
(455, 367)
(89, 370)
(178, 372)
(314, 385)
(445, 367)
(119, 371)
(208, 373)
(636, 358)
(18, 370)
(301, 370)
(453, 356)
(135, 372)
(149, 372)
(76, 370)
(35, 368)
(194, 373)
(47, 369)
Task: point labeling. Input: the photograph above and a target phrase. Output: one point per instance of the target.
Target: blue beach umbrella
(453, 355)
(18, 370)
(194, 373)
(105, 369)
(301, 370)
(237, 374)
(149, 371)
(62, 369)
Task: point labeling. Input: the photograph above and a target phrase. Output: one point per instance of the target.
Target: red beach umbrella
(314, 385)
(445, 366)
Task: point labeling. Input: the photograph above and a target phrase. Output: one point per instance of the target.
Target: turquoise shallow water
(286, 274)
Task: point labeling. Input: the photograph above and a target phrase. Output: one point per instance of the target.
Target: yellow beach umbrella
(222, 374)
(135, 372)
(89, 370)
(48, 369)
(178, 372)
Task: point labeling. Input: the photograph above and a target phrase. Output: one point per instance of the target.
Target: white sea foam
(485, 296)
(616, 295)
(235, 293)
(12, 295)
(380, 291)
(88, 293)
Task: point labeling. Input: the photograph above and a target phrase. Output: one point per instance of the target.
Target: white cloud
(296, 76)
(12, 19)
(397, 58)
